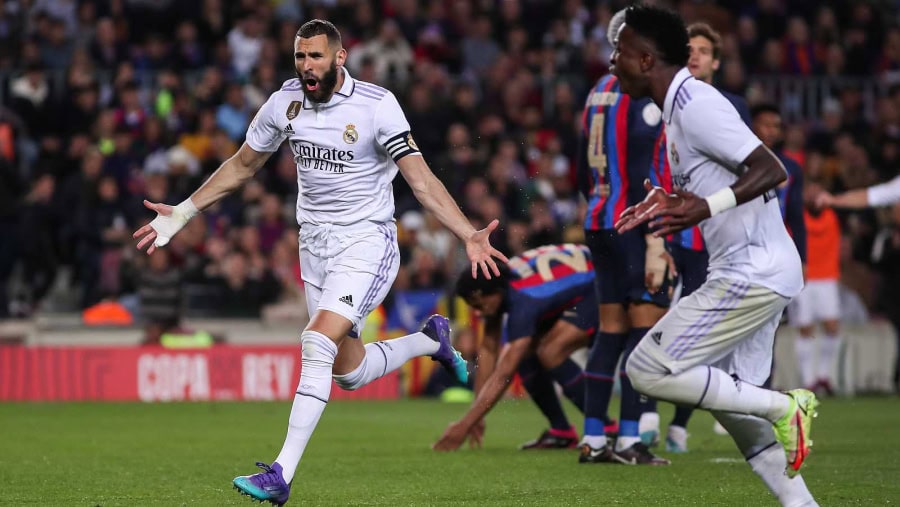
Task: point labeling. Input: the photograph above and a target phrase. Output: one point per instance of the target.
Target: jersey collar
(677, 82)
(345, 91)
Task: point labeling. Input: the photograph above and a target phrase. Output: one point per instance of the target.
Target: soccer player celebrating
(348, 139)
(540, 309)
(633, 274)
(714, 348)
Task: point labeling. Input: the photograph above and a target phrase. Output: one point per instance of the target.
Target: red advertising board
(221, 372)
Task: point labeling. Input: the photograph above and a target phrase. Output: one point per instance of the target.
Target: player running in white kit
(713, 349)
(348, 139)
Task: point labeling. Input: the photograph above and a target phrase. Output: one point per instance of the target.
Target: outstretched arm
(877, 195)
(230, 176)
(487, 397)
(434, 197)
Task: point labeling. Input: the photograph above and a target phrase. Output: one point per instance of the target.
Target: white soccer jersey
(884, 194)
(345, 149)
(706, 144)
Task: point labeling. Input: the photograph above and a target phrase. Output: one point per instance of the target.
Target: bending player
(544, 306)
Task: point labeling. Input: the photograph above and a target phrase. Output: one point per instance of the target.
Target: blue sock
(540, 387)
(571, 377)
(599, 375)
(628, 428)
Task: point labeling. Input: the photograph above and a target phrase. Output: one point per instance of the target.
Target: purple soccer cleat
(437, 327)
(266, 486)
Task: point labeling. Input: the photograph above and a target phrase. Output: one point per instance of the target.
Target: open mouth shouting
(310, 84)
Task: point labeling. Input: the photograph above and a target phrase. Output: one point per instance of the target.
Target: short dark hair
(707, 32)
(664, 28)
(466, 286)
(315, 27)
(765, 107)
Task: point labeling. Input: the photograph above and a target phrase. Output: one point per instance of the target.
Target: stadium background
(105, 104)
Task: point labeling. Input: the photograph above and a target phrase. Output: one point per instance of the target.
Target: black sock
(570, 377)
(539, 385)
(599, 375)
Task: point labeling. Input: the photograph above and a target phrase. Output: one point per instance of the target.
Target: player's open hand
(481, 253)
(169, 220)
(453, 437)
(667, 213)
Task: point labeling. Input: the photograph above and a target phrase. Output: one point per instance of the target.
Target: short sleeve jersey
(546, 281)
(707, 143)
(345, 149)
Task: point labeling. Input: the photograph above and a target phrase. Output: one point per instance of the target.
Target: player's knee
(642, 378)
(317, 349)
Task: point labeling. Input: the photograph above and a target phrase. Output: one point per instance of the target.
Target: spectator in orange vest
(820, 300)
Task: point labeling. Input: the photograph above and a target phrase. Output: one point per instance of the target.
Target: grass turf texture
(377, 453)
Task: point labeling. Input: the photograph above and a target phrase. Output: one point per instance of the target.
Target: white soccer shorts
(820, 300)
(725, 323)
(348, 269)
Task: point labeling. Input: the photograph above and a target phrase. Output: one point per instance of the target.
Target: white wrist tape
(185, 209)
(168, 226)
(720, 201)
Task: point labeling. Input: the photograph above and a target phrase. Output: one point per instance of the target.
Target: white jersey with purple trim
(884, 194)
(345, 149)
(706, 144)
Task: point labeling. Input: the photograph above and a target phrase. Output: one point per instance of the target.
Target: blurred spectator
(245, 44)
(233, 116)
(390, 55)
(243, 289)
(159, 289)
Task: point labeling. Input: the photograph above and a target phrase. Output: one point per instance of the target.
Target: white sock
(769, 465)
(595, 441)
(712, 388)
(386, 356)
(623, 443)
(829, 346)
(318, 355)
(678, 433)
(804, 350)
(649, 421)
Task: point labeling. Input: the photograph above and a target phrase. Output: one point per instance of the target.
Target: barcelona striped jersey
(614, 159)
(790, 199)
(545, 282)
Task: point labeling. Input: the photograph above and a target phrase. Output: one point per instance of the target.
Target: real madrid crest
(673, 154)
(350, 134)
(293, 109)
(411, 143)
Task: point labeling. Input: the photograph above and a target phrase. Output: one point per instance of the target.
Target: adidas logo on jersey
(289, 129)
(657, 337)
(348, 300)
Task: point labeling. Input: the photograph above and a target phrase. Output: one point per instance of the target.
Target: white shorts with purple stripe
(348, 270)
(725, 323)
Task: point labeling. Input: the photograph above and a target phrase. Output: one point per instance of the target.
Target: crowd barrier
(152, 374)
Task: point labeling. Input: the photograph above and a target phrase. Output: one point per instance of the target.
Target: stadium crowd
(108, 103)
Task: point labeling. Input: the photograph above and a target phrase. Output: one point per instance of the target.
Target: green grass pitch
(377, 453)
